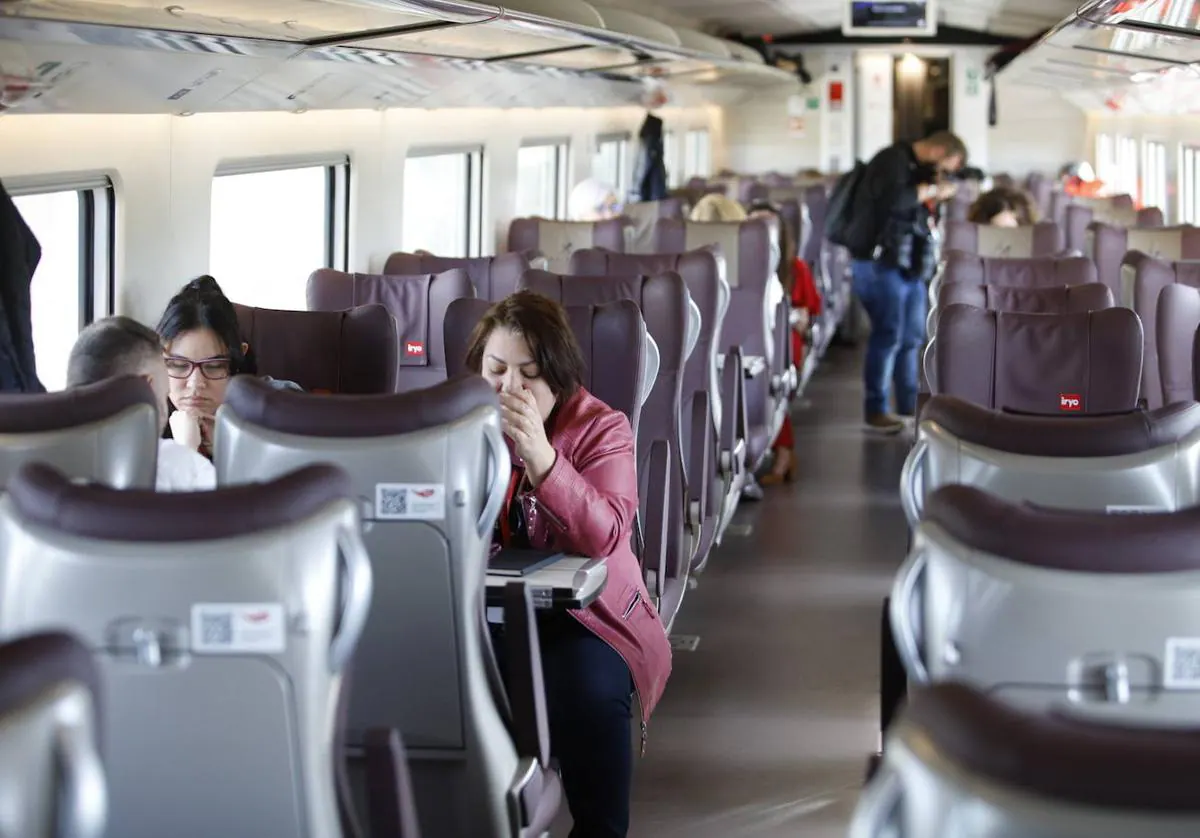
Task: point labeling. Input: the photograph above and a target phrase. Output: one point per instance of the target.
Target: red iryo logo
(414, 348)
(257, 617)
(1070, 402)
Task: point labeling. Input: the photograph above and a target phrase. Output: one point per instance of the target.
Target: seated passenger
(592, 200)
(717, 207)
(1003, 207)
(122, 346)
(574, 488)
(204, 347)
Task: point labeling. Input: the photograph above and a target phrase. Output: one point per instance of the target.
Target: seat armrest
(391, 806)
(727, 438)
(699, 458)
(654, 554)
(735, 426)
(526, 688)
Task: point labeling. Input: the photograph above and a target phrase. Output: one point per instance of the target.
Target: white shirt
(180, 469)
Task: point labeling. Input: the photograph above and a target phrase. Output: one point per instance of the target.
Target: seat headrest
(33, 665)
(1071, 540)
(346, 417)
(1082, 362)
(44, 497)
(1069, 435)
(1092, 296)
(1053, 756)
(1030, 272)
(493, 277)
(27, 413)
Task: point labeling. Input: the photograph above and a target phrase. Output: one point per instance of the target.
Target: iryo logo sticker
(414, 349)
(1070, 402)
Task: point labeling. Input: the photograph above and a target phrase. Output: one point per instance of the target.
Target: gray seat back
(1143, 279)
(1107, 245)
(1042, 239)
(105, 432)
(417, 305)
(429, 469)
(493, 277)
(1178, 318)
(555, 241)
(334, 351)
(1140, 460)
(1019, 601)
(50, 763)
(751, 252)
(1081, 362)
(221, 622)
(643, 215)
(1080, 217)
(957, 752)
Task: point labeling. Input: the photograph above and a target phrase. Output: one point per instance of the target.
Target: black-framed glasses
(214, 369)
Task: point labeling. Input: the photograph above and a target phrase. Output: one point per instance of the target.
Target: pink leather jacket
(586, 506)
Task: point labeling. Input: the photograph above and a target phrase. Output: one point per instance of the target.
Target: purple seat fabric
(1082, 362)
(557, 240)
(641, 218)
(417, 305)
(1035, 272)
(747, 249)
(1107, 245)
(700, 271)
(663, 302)
(1142, 281)
(1117, 211)
(1091, 296)
(493, 277)
(343, 351)
(1178, 319)
(1039, 188)
(1042, 239)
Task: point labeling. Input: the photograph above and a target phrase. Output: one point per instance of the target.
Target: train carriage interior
(571, 419)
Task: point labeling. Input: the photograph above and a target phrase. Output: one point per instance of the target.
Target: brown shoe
(884, 423)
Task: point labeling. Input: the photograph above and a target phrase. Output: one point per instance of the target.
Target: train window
(542, 180)
(697, 153)
(1127, 167)
(74, 275)
(1154, 175)
(272, 226)
(671, 158)
(443, 202)
(1106, 162)
(1189, 184)
(609, 164)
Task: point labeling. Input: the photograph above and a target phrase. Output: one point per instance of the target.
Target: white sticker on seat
(233, 628)
(1181, 663)
(410, 501)
(1133, 509)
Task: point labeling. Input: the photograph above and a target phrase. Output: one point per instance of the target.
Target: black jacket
(19, 257)
(650, 175)
(889, 222)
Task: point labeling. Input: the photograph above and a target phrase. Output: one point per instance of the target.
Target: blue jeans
(896, 308)
(589, 695)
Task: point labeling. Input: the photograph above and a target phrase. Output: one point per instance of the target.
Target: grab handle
(498, 456)
(904, 631)
(912, 501)
(358, 585)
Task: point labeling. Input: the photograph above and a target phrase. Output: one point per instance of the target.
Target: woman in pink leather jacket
(574, 489)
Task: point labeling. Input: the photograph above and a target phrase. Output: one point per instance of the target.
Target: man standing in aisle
(891, 244)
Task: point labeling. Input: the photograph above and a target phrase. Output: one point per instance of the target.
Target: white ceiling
(753, 17)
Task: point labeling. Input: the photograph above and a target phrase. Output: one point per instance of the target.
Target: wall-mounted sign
(814, 103)
(972, 81)
(836, 92)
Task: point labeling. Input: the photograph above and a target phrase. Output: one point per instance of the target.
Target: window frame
(562, 169)
(97, 196)
(1189, 187)
(337, 195)
(691, 171)
(622, 138)
(1154, 147)
(475, 197)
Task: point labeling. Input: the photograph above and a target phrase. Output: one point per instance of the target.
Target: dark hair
(787, 244)
(543, 324)
(950, 143)
(110, 347)
(201, 304)
(990, 204)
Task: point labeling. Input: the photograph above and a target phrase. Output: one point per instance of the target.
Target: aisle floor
(765, 728)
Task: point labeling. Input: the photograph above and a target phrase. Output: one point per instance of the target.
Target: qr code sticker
(393, 501)
(217, 629)
(1182, 663)
(410, 501)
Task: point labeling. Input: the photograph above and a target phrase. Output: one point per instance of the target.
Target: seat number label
(234, 628)
(1181, 663)
(1070, 402)
(410, 501)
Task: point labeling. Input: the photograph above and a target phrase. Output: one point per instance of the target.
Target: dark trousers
(589, 700)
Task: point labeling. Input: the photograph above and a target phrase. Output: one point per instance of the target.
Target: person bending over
(118, 346)
(574, 488)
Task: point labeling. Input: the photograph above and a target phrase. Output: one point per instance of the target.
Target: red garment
(585, 506)
(804, 295)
